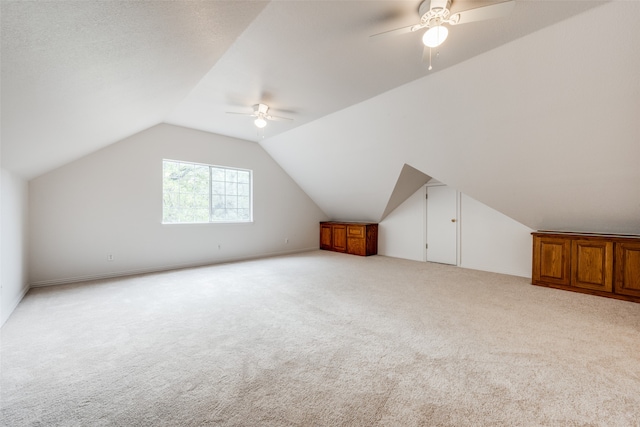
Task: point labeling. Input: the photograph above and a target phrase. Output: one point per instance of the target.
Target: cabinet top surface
(348, 222)
(579, 234)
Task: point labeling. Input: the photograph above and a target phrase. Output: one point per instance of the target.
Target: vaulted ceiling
(545, 129)
(78, 76)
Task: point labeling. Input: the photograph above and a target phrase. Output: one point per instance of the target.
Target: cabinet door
(325, 236)
(627, 277)
(592, 264)
(356, 243)
(551, 257)
(339, 237)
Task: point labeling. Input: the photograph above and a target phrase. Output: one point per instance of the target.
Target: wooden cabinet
(357, 238)
(333, 237)
(599, 264)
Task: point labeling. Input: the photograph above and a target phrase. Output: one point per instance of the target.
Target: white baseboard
(125, 273)
(4, 316)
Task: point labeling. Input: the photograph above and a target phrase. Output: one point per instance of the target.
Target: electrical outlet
(110, 257)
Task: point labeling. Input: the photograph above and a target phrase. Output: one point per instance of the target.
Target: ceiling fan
(435, 13)
(261, 114)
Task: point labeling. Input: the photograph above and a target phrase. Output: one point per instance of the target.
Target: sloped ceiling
(307, 59)
(535, 115)
(409, 181)
(545, 129)
(79, 75)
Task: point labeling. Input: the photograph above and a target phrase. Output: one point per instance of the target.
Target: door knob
(453, 220)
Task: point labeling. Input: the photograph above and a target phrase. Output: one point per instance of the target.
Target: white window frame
(212, 208)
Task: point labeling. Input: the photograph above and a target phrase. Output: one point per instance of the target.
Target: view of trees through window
(195, 193)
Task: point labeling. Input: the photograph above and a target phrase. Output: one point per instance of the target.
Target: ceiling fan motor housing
(260, 108)
(430, 9)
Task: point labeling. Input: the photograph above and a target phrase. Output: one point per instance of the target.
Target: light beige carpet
(320, 339)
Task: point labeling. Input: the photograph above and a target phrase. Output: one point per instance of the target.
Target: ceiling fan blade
(278, 119)
(242, 114)
(391, 33)
(480, 14)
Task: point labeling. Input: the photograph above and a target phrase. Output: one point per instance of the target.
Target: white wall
(402, 233)
(489, 240)
(110, 202)
(13, 242)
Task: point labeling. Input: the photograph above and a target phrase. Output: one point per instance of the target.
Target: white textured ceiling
(79, 75)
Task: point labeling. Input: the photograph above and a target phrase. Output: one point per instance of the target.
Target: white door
(442, 217)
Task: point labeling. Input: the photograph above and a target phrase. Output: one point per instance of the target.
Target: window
(196, 193)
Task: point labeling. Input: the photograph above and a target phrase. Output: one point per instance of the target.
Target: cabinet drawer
(356, 231)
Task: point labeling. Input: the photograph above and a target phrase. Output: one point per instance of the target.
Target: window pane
(217, 202)
(217, 174)
(201, 200)
(169, 167)
(219, 214)
(186, 200)
(217, 188)
(231, 175)
(171, 185)
(231, 188)
(170, 175)
(243, 189)
(170, 215)
(231, 202)
(201, 215)
(170, 200)
(185, 215)
(243, 203)
(243, 177)
(185, 177)
(201, 179)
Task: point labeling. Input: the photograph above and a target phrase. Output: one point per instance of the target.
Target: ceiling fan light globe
(435, 36)
(260, 122)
